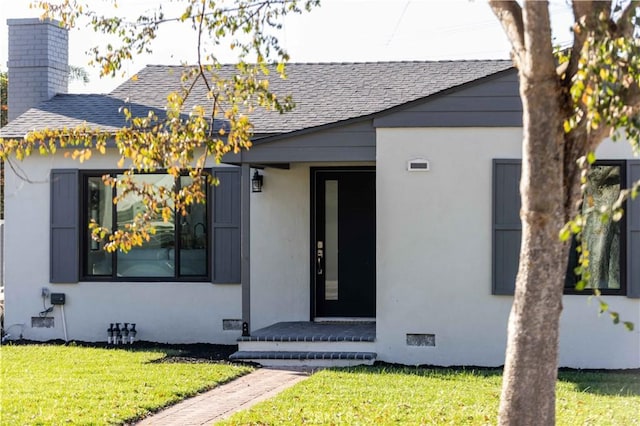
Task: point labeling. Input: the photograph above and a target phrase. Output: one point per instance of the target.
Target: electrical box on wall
(57, 298)
(418, 165)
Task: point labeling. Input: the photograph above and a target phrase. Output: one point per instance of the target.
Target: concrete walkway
(219, 403)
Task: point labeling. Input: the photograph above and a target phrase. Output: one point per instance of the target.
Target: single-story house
(387, 227)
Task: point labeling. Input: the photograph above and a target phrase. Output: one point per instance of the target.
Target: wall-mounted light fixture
(256, 182)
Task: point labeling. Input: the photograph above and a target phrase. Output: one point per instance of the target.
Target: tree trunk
(528, 392)
(550, 185)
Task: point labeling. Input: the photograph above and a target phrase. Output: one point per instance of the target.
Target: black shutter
(226, 226)
(507, 228)
(633, 233)
(64, 237)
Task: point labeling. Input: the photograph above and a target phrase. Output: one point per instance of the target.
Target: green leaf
(604, 307)
(615, 317)
(565, 233)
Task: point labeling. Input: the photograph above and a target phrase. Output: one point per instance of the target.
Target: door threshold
(344, 319)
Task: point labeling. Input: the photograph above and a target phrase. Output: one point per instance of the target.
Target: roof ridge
(413, 61)
(81, 95)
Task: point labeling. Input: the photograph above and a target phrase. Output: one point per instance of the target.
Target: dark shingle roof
(324, 93)
(68, 111)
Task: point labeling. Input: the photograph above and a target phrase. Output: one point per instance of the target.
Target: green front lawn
(77, 385)
(366, 396)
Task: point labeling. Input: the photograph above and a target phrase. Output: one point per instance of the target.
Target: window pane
(602, 236)
(99, 203)
(193, 237)
(331, 240)
(155, 258)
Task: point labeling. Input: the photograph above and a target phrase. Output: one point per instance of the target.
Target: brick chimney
(38, 63)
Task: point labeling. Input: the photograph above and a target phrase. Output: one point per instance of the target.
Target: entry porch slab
(310, 343)
(305, 331)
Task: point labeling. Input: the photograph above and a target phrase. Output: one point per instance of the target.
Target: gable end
(493, 101)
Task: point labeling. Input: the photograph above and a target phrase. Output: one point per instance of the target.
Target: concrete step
(305, 358)
(301, 331)
(307, 346)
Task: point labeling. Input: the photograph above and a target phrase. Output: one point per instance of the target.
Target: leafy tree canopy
(181, 140)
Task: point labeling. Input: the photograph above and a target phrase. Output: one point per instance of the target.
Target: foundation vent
(421, 339)
(231, 324)
(42, 322)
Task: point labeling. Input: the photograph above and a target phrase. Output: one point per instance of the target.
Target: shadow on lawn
(186, 353)
(602, 382)
(623, 383)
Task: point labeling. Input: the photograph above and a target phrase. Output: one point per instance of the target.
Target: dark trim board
(303, 154)
(633, 228)
(353, 132)
(348, 141)
(506, 227)
(64, 239)
(245, 249)
(493, 101)
(453, 119)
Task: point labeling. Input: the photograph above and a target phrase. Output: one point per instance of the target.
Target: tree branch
(625, 27)
(580, 11)
(586, 19)
(537, 38)
(576, 142)
(509, 13)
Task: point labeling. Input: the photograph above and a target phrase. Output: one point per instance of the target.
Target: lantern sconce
(256, 182)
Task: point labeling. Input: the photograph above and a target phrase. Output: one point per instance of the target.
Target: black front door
(344, 242)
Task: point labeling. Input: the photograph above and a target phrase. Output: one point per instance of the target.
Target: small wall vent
(418, 165)
(232, 324)
(42, 322)
(421, 339)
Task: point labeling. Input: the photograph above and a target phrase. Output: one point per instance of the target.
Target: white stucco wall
(280, 247)
(163, 311)
(434, 257)
(433, 262)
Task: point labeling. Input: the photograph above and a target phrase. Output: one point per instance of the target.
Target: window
(614, 246)
(178, 250)
(203, 245)
(604, 237)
